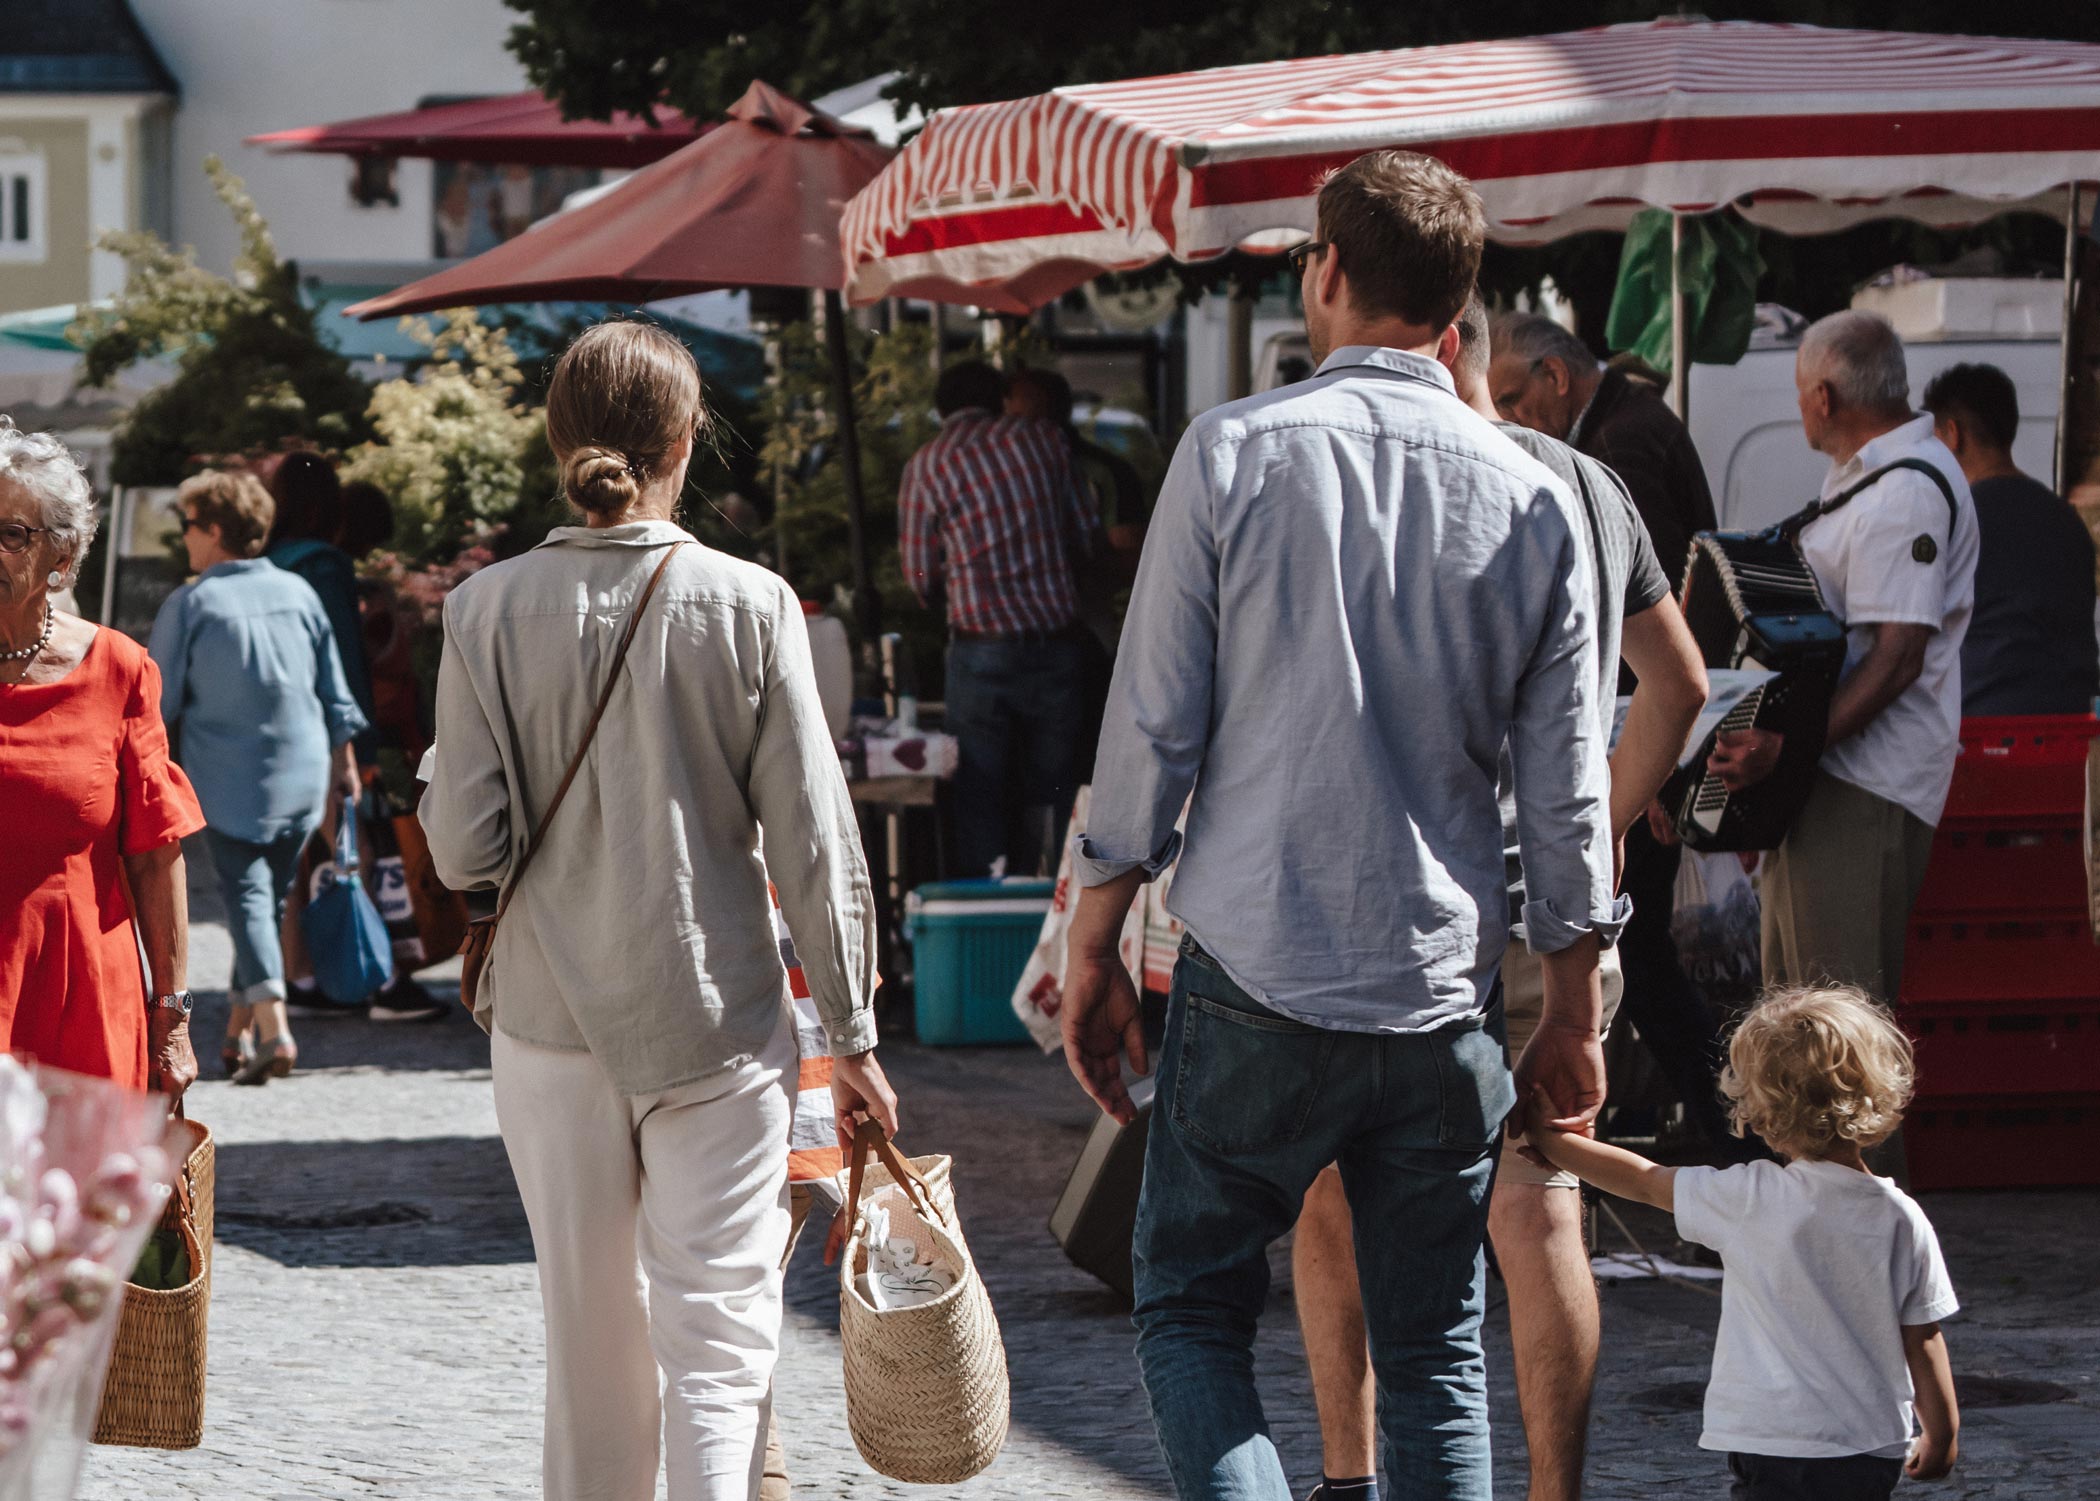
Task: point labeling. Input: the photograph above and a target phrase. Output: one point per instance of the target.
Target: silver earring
(54, 579)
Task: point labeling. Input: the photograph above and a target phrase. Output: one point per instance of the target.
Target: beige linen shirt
(643, 932)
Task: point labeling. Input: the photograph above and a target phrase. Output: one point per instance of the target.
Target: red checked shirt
(994, 508)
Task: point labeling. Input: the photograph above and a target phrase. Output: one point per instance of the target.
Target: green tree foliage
(455, 448)
(810, 533)
(698, 55)
(253, 373)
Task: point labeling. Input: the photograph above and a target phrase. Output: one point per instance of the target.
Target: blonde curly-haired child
(1833, 1284)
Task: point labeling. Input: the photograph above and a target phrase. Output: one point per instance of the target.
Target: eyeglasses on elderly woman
(14, 536)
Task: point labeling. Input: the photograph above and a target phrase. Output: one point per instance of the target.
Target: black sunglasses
(1298, 255)
(14, 536)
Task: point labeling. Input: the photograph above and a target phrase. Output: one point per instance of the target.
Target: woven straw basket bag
(153, 1396)
(926, 1388)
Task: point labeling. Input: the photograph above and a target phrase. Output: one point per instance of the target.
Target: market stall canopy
(754, 202)
(514, 129)
(1802, 128)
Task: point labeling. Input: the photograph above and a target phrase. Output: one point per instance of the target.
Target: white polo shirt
(1887, 558)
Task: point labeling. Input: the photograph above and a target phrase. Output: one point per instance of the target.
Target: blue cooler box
(970, 941)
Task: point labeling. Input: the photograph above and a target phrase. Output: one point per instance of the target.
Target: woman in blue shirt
(253, 689)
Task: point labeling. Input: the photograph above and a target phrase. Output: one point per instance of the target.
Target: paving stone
(403, 1358)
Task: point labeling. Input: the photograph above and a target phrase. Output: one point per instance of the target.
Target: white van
(1747, 424)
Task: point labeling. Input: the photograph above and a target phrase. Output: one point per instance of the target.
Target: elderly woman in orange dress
(93, 808)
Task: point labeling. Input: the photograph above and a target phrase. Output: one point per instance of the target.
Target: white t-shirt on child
(1822, 1267)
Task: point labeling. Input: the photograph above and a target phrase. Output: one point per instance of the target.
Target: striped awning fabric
(1805, 128)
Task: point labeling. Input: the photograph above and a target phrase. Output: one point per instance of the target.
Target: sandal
(237, 1052)
(273, 1060)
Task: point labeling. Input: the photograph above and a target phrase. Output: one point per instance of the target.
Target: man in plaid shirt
(993, 519)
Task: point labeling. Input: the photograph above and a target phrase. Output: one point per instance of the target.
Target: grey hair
(1860, 358)
(1532, 337)
(43, 466)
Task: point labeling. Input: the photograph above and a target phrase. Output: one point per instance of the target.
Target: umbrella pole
(867, 609)
(1680, 373)
(2064, 369)
(1239, 343)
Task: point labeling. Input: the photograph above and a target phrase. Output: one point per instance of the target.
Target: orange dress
(85, 780)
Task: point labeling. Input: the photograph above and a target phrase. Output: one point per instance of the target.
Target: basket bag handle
(870, 1137)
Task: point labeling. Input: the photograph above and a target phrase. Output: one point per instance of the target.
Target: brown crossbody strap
(590, 733)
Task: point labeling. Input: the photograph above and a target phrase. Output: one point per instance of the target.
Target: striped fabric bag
(813, 1143)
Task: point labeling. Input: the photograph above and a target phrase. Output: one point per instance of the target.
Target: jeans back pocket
(1245, 1083)
(1473, 1084)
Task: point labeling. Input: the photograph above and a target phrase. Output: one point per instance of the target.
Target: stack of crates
(2001, 981)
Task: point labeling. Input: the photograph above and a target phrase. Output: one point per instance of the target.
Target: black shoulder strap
(1817, 510)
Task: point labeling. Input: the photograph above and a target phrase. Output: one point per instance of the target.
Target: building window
(22, 207)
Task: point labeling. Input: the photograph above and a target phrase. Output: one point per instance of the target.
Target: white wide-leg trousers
(658, 1223)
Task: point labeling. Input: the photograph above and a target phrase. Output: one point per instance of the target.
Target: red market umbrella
(1802, 128)
(755, 201)
(522, 129)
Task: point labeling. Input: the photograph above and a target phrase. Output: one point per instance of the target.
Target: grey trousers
(1837, 893)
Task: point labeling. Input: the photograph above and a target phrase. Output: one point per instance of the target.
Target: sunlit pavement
(376, 1331)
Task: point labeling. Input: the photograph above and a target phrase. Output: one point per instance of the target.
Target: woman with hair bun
(642, 1041)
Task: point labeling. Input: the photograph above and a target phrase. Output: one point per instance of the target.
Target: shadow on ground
(452, 1043)
(436, 1201)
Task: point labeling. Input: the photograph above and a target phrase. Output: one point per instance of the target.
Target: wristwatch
(178, 1000)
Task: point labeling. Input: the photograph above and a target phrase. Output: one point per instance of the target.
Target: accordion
(1751, 602)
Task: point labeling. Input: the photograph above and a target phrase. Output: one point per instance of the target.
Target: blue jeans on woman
(1250, 1107)
(254, 880)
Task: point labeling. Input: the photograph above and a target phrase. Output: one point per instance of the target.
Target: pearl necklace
(43, 639)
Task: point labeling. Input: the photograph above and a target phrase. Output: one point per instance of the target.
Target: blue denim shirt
(1353, 592)
(253, 692)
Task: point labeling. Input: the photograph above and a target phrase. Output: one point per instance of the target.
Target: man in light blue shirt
(1354, 591)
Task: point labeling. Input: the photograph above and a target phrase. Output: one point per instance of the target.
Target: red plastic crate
(2021, 766)
(2020, 871)
(2000, 963)
(1986, 1142)
(2004, 1050)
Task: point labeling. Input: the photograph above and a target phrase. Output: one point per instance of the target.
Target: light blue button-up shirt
(1353, 592)
(253, 691)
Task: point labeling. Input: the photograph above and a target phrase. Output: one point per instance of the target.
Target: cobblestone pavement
(376, 1331)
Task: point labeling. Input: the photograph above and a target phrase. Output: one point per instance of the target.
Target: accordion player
(1750, 601)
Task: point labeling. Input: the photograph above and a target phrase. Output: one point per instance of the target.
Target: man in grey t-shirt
(1535, 1215)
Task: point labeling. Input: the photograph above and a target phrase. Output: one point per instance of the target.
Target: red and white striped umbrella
(1803, 128)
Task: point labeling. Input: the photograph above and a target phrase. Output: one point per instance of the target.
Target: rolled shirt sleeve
(1159, 702)
(812, 838)
(1557, 750)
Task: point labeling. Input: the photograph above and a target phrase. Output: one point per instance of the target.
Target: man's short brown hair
(235, 502)
(1409, 231)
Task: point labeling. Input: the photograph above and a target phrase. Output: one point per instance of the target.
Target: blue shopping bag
(345, 935)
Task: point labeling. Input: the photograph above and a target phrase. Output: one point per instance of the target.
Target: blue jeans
(255, 879)
(1017, 711)
(1250, 1107)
